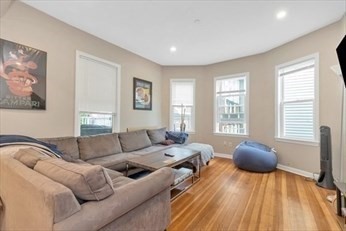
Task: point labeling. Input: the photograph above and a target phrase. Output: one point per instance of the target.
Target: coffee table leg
(198, 169)
(193, 177)
(199, 166)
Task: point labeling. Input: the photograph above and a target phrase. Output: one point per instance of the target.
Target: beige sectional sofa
(86, 190)
(111, 150)
(34, 193)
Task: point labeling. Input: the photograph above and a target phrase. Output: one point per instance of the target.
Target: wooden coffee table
(160, 159)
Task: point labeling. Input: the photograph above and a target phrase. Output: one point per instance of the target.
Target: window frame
(193, 108)
(279, 136)
(246, 75)
(78, 112)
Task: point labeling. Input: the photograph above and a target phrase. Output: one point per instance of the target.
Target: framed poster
(22, 76)
(142, 94)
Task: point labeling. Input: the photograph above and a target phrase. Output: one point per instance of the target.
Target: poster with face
(22, 76)
(142, 94)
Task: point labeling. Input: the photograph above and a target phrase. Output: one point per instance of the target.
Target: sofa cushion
(29, 156)
(156, 136)
(86, 182)
(120, 181)
(113, 174)
(67, 145)
(115, 162)
(131, 141)
(98, 145)
(167, 142)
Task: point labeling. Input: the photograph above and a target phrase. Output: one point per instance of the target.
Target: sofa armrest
(30, 200)
(95, 215)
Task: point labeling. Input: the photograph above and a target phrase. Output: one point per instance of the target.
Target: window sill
(188, 132)
(301, 142)
(233, 135)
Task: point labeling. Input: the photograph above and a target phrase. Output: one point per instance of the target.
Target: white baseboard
(279, 166)
(295, 171)
(223, 155)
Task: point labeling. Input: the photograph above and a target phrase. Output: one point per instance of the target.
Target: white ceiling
(204, 32)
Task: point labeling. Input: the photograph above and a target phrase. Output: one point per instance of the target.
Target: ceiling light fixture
(281, 14)
(173, 49)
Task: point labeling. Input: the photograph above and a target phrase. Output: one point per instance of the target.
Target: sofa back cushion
(157, 136)
(87, 182)
(67, 145)
(98, 145)
(29, 156)
(131, 141)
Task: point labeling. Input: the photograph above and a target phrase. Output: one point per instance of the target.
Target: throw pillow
(167, 142)
(177, 137)
(87, 182)
(29, 156)
(156, 136)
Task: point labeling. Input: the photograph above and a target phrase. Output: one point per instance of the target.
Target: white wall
(25, 25)
(262, 97)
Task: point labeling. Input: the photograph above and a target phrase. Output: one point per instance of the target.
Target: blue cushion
(177, 137)
(255, 157)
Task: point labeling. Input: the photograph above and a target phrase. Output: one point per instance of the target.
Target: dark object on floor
(255, 157)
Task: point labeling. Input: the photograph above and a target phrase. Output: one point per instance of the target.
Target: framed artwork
(142, 94)
(22, 76)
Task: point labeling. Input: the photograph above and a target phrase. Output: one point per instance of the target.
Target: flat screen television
(341, 51)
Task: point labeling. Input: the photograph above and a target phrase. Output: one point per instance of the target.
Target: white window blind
(231, 104)
(97, 95)
(182, 102)
(97, 86)
(297, 100)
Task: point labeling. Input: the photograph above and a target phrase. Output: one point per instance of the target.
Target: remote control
(167, 154)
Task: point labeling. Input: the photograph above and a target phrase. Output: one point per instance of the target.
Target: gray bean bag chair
(255, 157)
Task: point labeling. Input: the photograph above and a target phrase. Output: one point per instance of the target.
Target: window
(97, 95)
(182, 107)
(95, 123)
(297, 100)
(231, 104)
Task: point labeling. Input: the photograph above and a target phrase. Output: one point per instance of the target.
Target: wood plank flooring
(227, 198)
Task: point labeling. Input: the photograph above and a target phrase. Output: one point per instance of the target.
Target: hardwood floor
(227, 198)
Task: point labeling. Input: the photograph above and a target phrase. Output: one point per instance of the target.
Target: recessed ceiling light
(173, 49)
(281, 14)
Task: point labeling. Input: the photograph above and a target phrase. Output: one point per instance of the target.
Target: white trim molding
(223, 155)
(279, 166)
(193, 107)
(79, 79)
(246, 76)
(279, 131)
(295, 171)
